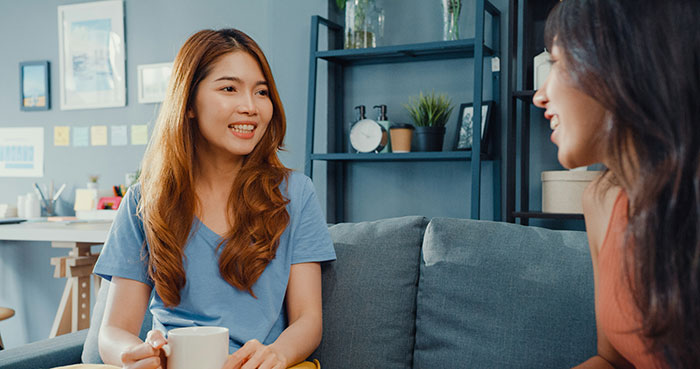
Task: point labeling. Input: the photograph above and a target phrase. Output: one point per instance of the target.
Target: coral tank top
(615, 308)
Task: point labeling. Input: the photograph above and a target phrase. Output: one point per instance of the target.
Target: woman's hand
(146, 355)
(255, 355)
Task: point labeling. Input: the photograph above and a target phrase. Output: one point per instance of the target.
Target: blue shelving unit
(440, 50)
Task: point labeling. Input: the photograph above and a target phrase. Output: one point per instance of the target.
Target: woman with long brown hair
(624, 90)
(224, 233)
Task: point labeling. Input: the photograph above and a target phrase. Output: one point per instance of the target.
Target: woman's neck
(216, 172)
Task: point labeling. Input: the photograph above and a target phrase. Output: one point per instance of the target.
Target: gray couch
(413, 293)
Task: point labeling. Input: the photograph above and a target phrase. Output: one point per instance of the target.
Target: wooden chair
(5, 313)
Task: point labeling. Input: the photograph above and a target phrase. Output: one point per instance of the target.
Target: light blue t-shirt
(207, 299)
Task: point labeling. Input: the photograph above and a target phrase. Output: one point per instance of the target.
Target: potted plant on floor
(430, 114)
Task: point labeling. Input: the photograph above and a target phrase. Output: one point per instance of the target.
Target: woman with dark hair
(224, 233)
(624, 90)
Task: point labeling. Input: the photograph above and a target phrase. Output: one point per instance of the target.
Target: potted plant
(430, 114)
(92, 182)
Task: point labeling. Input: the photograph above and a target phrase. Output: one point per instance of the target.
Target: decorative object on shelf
(450, 18)
(367, 135)
(34, 87)
(465, 125)
(91, 55)
(540, 69)
(384, 122)
(401, 135)
(153, 81)
(430, 114)
(92, 182)
(364, 24)
(562, 190)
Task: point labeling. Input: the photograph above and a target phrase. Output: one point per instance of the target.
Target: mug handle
(166, 349)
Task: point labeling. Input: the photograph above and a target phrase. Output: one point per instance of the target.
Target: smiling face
(232, 106)
(576, 119)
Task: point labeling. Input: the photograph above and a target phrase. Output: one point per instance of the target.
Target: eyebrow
(238, 80)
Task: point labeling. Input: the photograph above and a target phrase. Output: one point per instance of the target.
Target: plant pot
(429, 138)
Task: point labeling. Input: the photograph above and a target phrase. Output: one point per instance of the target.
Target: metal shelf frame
(440, 50)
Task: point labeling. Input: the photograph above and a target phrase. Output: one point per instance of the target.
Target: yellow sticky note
(61, 135)
(139, 134)
(98, 135)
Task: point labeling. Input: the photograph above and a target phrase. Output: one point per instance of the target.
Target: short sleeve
(311, 241)
(124, 254)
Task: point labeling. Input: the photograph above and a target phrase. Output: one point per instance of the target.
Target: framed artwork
(463, 138)
(153, 81)
(91, 55)
(34, 88)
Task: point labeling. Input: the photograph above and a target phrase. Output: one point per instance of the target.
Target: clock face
(366, 136)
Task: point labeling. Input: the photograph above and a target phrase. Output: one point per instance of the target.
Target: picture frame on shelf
(34, 86)
(463, 138)
(92, 55)
(153, 82)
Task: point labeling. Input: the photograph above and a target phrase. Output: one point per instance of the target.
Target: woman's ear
(190, 113)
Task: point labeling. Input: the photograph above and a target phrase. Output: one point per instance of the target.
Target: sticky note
(139, 134)
(85, 199)
(81, 136)
(98, 135)
(61, 135)
(119, 135)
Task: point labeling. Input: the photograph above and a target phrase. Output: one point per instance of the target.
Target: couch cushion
(369, 294)
(91, 353)
(497, 295)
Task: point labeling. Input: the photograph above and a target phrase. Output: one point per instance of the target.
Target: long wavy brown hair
(257, 208)
(641, 60)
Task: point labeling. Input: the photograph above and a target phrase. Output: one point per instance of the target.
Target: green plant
(429, 110)
(94, 178)
(340, 4)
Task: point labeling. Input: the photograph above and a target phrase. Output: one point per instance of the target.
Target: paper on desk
(119, 135)
(81, 136)
(22, 152)
(98, 135)
(61, 135)
(139, 134)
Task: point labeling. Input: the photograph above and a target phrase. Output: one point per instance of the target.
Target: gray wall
(155, 29)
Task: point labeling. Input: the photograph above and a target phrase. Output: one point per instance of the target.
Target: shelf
(408, 156)
(439, 50)
(538, 214)
(525, 95)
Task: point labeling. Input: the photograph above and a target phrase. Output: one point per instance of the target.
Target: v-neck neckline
(208, 232)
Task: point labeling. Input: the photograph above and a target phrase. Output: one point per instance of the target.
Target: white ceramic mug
(197, 347)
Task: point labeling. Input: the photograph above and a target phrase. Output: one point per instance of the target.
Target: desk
(74, 309)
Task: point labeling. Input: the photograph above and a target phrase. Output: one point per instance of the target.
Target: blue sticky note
(81, 136)
(119, 137)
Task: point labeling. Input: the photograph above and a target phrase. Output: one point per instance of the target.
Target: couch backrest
(369, 294)
(499, 295)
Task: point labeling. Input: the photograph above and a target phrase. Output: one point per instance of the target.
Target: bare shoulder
(598, 202)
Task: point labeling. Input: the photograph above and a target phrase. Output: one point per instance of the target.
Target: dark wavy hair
(641, 60)
(256, 207)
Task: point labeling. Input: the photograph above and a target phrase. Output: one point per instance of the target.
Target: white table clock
(368, 136)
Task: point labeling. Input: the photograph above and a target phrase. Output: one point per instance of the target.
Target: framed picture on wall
(464, 138)
(91, 55)
(153, 81)
(34, 88)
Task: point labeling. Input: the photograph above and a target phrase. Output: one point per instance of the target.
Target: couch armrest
(49, 353)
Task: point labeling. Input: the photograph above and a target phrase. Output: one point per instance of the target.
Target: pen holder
(48, 208)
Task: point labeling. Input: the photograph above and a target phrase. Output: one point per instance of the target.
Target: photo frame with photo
(92, 55)
(463, 138)
(34, 86)
(153, 82)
